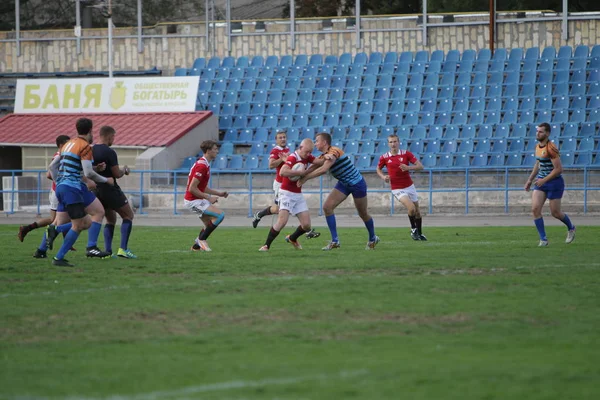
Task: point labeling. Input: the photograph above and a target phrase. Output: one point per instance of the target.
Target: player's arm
(328, 161)
(288, 172)
(386, 178)
(417, 166)
(53, 168)
(215, 192)
(193, 189)
(118, 171)
(532, 176)
(88, 171)
(556, 171)
(91, 185)
(276, 162)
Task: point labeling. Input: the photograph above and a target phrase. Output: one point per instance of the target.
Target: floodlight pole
(293, 24)
(424, 23)
(228, 18)
(140, 40)
(110, 44)
(78, 25)
(565, 20)
(358, 41)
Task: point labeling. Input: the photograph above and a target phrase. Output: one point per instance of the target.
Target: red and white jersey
(398, 179)
(57, 154)
(277, 150)
(201, 171)
(293, 159)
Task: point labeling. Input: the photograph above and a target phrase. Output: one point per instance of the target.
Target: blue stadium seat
(446, 160)
(391, 57)
(516, 145)
(594, 116)
(469, 55)
(255, 122)
(221, 162)
(569, 144)
(429, 160)
(435, 132)
(479, 160)
(351, 147)
(588, 129)
(565, 52)
(187, 163)
(499, 146)
(416, 146)
(181, 72)
(450, 146)
(367, 147)
(567, 159)
(433, 146)
(587, 144)
(423, 56)
(482, 146)
(462, 160)
(570, 130)
(497, 160)
(363, 162)
(484, 54)
(466, 146)
(583, 158)
(375, 58)
(481, 66)
(532, 53)
(236, 161)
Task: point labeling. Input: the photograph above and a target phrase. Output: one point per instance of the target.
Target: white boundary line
(212, 387)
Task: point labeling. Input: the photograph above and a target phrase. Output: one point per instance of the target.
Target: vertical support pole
(18, 26)
(506, 191)
(78, 25)
(206, 27)
(492, 24)
(140, 41)
(424, 23)
(250, 195)
(357, 27)
(214, 25)
(293, 24)
(110, 42)
(430, 192)
(467, 178)
(228, 18)
(565, 20)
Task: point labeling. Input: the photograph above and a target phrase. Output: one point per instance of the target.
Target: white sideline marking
(212, 387)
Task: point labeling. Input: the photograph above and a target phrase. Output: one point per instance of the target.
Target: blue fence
(173, 184)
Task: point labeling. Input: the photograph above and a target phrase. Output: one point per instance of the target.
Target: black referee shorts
(111, 197)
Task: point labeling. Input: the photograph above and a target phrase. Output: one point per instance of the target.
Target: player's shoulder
(552, 149)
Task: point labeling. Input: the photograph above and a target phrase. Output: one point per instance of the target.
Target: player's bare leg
(212, 218)
(555, 209)
(270, 210)
(40, 223)
(412, 211)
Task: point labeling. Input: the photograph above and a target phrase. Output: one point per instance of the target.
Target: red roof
(153, 130)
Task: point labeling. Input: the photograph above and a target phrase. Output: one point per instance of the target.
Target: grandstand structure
(454, 110)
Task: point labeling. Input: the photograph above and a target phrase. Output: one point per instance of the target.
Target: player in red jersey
(198, 196)
(25, 229)
(398, 163)
(291, 199)
(277, 158)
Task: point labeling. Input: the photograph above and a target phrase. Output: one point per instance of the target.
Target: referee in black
(112, 197)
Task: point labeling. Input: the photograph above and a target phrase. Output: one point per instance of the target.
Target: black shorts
(111, 197)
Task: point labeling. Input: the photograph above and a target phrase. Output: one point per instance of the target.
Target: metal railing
(172, 183)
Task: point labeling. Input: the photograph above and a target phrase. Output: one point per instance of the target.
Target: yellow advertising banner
(107, 95)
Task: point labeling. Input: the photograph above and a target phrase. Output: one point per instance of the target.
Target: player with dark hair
(198, 195)
(277, 158)
(291, 199)
(112, 197)
(548, 184)
(25, 229)
(75, 200)
(397, 162)
(350, 181)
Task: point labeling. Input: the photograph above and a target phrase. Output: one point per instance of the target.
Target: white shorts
(53, 200)
(198, 206)
(276, 189)
(292, 202)
(410, 191)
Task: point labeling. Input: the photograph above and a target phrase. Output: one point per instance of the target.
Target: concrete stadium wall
(169, 53)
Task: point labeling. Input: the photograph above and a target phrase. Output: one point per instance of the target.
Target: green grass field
(474, 313)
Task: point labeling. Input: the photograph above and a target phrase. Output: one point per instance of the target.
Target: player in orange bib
(548, 184)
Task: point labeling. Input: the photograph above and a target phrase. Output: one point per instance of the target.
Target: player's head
(210, 148)
(107, 135)
(543, 131)
(306, 147)
(281, 138)
(322, 141)
(393, 142)
(84, 128)
(61, 140)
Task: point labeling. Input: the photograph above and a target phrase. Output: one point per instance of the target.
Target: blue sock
(567, 221)
(69, 241)
(109, 231)
(43, 245)
(126, 227)
(371, 228)
(64, 228)
(332, 227)
(93, 234)
(539, 224)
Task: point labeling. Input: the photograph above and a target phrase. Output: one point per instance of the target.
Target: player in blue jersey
(350, 182)
(548, 184)
(75, 199)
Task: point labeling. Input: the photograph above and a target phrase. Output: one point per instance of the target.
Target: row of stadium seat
(545, 67)
(561, 93)
(415, 82)
(368, 162)
(404, 57)
(330, 120)
(559, 105)
(418, 132)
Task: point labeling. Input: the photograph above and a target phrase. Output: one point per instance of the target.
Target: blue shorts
(68, 195)
(554, 189)
(358, 190)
